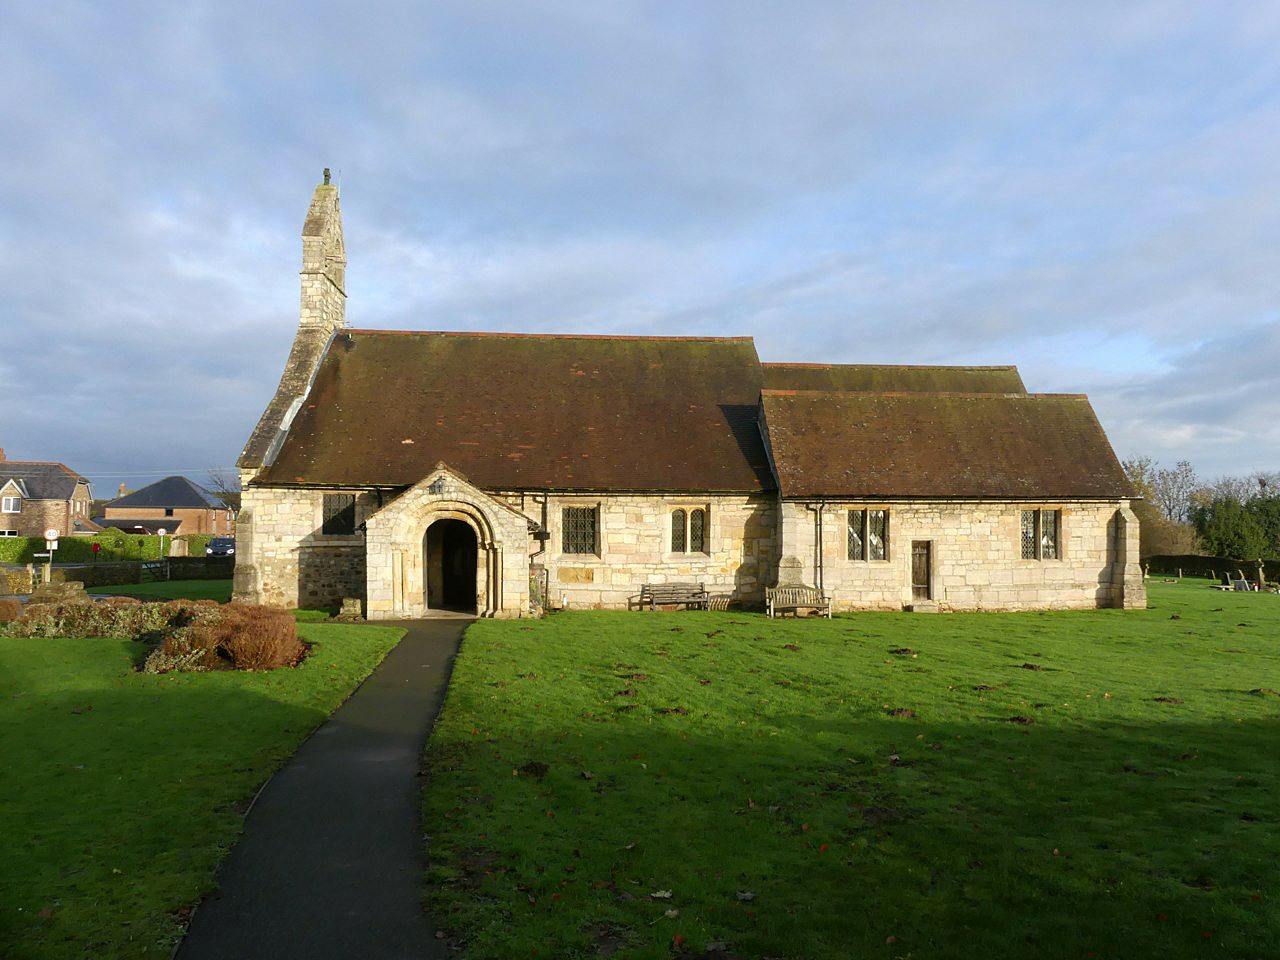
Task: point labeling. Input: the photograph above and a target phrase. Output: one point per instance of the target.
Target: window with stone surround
(339, 515)
(868, 535)
(689, 530)
(579, 527)
(11, 505)
(1040, 534)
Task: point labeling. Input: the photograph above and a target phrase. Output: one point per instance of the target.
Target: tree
(1173, 490)
(1228, 528)
(225, 484)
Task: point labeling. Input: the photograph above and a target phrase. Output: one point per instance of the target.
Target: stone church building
(426, 471)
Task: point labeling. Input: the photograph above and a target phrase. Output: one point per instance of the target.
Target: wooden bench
(691, 595)
(793, 598)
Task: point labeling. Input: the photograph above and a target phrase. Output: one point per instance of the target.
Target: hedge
(1194, 565)
(113, 546)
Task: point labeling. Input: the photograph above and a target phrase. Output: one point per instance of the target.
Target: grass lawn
(122, 791)
(1078, 784)
(219, 590)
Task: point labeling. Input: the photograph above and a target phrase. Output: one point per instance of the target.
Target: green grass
(762, 758)
(122, 791)
(219, 590)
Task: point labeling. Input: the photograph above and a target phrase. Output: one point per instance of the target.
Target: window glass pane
(1048, 534)
(856, 520)
(339, 514)
(579, 535)
(878, 534)
(677, 532)
(1028, 534)
(698, 531)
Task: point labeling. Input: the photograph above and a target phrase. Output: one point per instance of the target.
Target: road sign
(162, 531)
(51, 533)
(51, 545)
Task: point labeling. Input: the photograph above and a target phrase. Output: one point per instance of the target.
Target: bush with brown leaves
(240, 637)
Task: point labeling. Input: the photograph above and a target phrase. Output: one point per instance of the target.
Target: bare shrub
(10, 610)
(235, 636)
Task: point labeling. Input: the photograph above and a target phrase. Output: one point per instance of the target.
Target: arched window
(698, 531)
(677, 532)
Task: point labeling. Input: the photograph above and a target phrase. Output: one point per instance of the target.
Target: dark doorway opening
(450, 548)
(921, 570)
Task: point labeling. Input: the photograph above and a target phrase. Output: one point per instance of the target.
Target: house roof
(149, 525)
(170, 492)
(953, 445)
(520, 411)
(902, 379)
(43, 481)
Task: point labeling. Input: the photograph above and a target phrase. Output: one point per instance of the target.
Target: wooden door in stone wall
(921, 570)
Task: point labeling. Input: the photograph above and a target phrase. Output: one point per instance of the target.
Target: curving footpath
(331, 863)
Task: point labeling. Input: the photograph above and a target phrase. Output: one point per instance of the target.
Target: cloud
(1085, 190)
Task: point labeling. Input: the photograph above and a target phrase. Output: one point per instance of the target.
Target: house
(40, 496)
(427, 471)
(174, 504)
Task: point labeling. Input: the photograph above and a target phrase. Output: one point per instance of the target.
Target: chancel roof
(532, 412)
(899, 379)
(941, 445)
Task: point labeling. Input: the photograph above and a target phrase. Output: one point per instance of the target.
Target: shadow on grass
(121, 796)
(957, 839)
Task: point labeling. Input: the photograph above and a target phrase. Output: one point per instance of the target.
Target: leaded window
(1040, 534)
(878, 534)
(857, 534)
(689, 531)
(698, 531)
(1048, 534)
(339, 515)
(1029, 534)
(579, 530)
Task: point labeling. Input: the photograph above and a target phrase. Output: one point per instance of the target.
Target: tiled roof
(44, 481)
(957, 445)
(150, 525)
(902, 379)
(171, 492)
(531, 412)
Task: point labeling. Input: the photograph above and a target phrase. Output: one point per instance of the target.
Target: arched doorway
(449, 552)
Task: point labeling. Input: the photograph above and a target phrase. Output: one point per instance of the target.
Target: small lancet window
(677, 531)
(698, 531)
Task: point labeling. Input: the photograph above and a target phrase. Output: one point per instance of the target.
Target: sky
(1090, 191)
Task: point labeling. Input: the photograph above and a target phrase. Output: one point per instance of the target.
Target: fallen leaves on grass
(660, 895)
(1021, 720)
(1032, 666)
(1166, 700)
(535, 768)
(901, 712)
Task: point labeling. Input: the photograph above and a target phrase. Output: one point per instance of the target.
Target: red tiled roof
(950, 445)
(528, 411)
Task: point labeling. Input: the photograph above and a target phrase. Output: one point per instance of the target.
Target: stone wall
(634, 547)
(283, 559)
(976, 557)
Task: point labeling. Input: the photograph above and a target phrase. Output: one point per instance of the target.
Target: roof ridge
(923, 394)
(536, 336)
(890, 366)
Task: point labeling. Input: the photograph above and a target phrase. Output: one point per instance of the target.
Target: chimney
(121, 491)
(1, 454)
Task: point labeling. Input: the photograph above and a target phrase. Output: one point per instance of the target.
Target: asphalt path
(331, 861)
